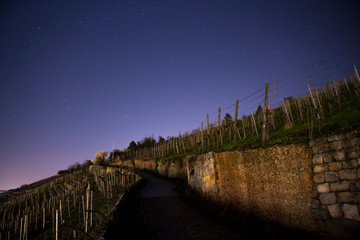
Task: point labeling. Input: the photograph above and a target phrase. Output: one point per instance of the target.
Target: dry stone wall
(336, 195)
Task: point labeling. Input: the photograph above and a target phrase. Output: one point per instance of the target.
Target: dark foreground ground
(155, 210)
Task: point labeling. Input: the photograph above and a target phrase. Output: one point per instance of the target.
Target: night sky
(79, 76)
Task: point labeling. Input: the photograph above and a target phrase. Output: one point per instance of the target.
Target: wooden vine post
(219, 125)
(236, 118)
(208, 131)
(202, 135)
(265, 129)
(357, 74)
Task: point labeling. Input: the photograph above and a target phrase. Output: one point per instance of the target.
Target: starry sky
(77, 77)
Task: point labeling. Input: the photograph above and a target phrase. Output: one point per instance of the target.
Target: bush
(99, 157)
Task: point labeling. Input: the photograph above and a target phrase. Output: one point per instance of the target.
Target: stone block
(331, 176)
(353, 153)
(339, 155)
(327, 198)
(323, 188)
(335, 211)
(351, 212)
(318, 141)
(335, 166)
(323, 148)
(350, 164)
(315, 203)
(321, 168)
(314, 194)
(315, 149)
(348, 174)
(337, 137)
(340, 186)
(318, 159)
(351, 143)
(349, 197)
(328, 157)
(338, 145)
(355, 186)
(321, 213)
(353, 134)
(319, 178)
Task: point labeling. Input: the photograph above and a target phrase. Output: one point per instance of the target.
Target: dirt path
(153, 210)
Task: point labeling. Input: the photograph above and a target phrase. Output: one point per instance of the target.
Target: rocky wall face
(163, 167)
(177, 168)
(145, 164)
(273, 182)
(172, 168)
(336, 195)
(201, 175)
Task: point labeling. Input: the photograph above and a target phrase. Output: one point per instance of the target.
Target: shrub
(99, 157)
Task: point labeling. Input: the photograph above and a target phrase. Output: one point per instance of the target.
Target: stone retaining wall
(274, 182)
(172, 168)
(336, 196)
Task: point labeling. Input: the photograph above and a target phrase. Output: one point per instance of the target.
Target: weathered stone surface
(319, 178)
(315, 149)
(335, 166)
(315, 203)
(318, 141)
(351, 143)
(350, 164)
(353, 153)
(323, 188)
(337, 137)
(323, 148)
(338, 145)
(335, 211)
(321, 168)
(351, 212)
(348, 174)
(314, 194)
(318, 159)
(339, 186)
(353, 134)
(327, 198)
(320, 213)
(331, 176)
(339, 155)
(349, 197)
(328, 158)
(355, 186)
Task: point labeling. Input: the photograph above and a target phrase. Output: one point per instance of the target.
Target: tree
(132, 146)
(161, 139)
(100, 157)
(227, 119)
(259, 109)
(148, 142)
